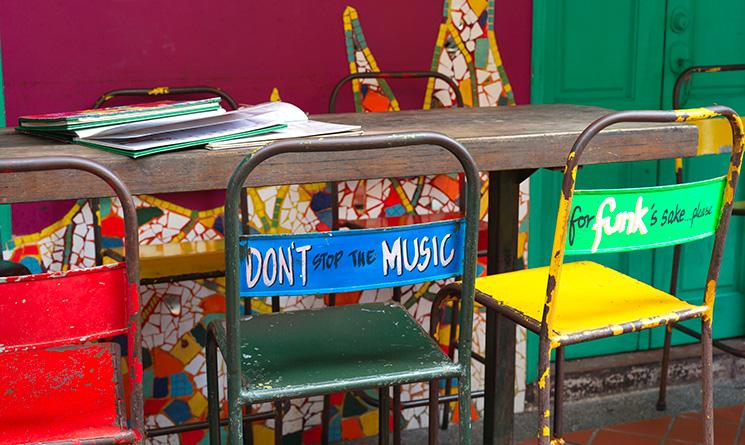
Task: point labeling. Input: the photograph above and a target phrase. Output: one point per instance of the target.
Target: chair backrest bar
(622, 220)
(396, 75)
(350, 260)
(162, 91)
(131, 243)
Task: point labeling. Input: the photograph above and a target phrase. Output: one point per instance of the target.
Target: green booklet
(138, 133)
(73, 120)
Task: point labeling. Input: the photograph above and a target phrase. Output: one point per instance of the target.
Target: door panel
(706, 33)
(607, 54)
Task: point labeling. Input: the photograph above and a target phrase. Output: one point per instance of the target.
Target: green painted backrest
(622, 220)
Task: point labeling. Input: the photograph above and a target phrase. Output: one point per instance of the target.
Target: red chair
(56, 386)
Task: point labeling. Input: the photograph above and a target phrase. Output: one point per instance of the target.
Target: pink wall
(62, 54)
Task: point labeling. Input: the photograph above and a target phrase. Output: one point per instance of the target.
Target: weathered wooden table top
(506, 138)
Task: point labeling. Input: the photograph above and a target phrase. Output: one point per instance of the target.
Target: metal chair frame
(160, 91)
(100, 252)
(547, 343)
(232, 235)
(134, 335)
(686, 76)
(396, 75)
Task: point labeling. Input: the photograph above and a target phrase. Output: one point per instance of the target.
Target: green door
(706, 33)
(622, 55)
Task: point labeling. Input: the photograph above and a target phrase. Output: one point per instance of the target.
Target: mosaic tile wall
(175, 315)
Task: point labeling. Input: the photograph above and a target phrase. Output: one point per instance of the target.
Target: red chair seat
(56, 394)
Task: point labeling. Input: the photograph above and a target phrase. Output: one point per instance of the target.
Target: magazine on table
(298, 126)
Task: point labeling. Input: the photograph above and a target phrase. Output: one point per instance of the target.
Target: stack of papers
(145, 129)
(297, 126)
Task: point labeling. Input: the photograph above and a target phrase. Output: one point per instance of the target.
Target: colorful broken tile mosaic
(466, 51)
(175, 315)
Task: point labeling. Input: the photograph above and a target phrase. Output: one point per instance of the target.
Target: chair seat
(175, 259)
(312, 352)
(595, 301)
(62, 394)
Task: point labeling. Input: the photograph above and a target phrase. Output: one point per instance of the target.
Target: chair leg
(278, 424)
(434, 411)
(248, 431)
(397, 415)
(213, 392)
(464, 407)
(325, 419)
(664, 370)
(707, 381)
(383, 419)
(452, 343)
(544, 393)
(559, 394)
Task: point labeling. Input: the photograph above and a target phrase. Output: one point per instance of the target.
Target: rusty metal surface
(160, 91)
(396, 75)
(128, 304)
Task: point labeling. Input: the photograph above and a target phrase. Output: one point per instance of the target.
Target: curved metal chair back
(396, 75)
(163, 91)
(236, 248)
(687, 74)
(630, 223)
(81, 304)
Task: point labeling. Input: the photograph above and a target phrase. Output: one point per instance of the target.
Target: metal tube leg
(213, 392)
(464, 407)
(433, 412)
(559, 394)
(278, 414)
(544, 393)
(452, 342)
(325, 419)
(397, 415)
(384, 409)
(664, 370)
(248, 431)
(707, 381)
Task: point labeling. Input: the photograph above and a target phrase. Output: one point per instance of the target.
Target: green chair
(279, 356)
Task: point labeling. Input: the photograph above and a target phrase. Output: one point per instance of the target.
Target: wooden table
(509, 143)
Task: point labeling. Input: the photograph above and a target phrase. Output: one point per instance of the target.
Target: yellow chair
(569, 303)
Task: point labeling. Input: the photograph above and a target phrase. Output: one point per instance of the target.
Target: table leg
(504, 195)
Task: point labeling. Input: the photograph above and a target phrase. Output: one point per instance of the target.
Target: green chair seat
(289, 355)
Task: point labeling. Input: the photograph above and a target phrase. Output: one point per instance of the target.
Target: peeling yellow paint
(544, 378)
(158, 91)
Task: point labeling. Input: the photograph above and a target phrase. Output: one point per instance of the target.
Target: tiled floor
(686, 428)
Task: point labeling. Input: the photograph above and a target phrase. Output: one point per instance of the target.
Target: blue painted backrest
(350, 260)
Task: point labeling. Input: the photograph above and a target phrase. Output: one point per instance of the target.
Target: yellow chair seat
(594, 301)
(175, 259)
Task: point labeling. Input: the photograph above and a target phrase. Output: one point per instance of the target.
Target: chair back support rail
(127, 276)
(238, 247)
(604, 219)
(162, 91)
(396, 75)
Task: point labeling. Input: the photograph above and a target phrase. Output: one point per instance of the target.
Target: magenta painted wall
(62, 54)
